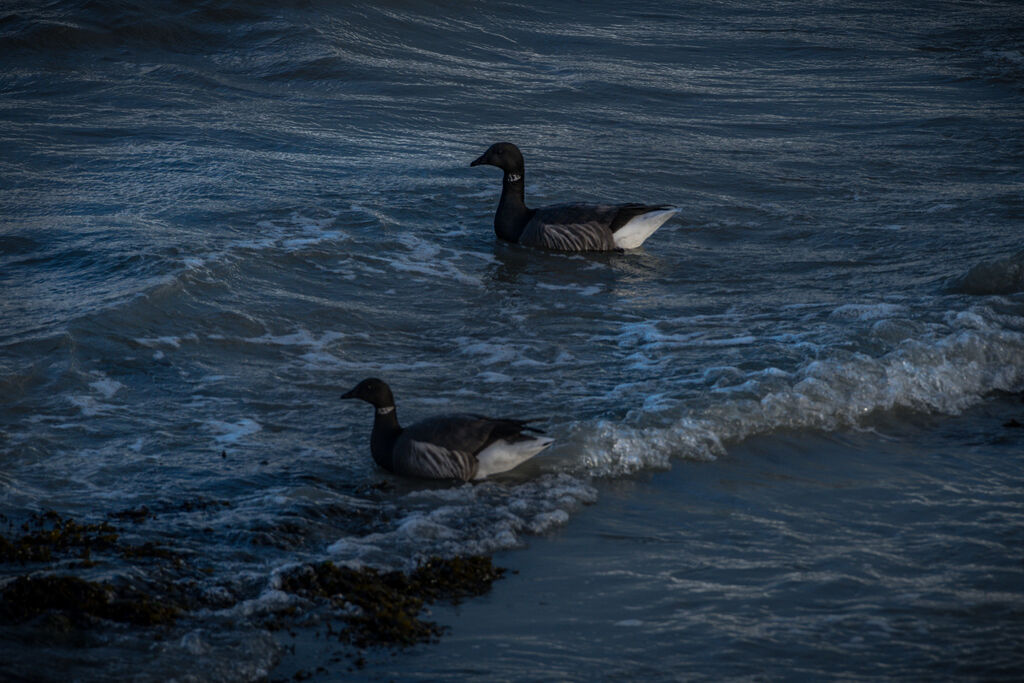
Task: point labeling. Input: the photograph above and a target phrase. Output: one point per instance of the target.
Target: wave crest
(946, 375)
(1001, 276)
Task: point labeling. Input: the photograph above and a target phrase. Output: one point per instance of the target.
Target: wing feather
(445, 447)
(571, 227)
(432, 461)
(582, 227)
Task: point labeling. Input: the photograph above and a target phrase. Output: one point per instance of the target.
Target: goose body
(460, 446)
(565, 227)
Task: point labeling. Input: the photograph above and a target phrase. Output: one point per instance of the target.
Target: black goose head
(504, 155)
(374, 391)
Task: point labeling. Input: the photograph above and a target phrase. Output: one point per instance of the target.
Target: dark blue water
(780, 424)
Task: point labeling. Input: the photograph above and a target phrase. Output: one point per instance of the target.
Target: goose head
(504, 155)
(374, 391)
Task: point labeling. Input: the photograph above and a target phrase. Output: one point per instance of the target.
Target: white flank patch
(632, 234)
(501, 456)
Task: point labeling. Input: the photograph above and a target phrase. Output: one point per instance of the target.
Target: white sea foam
(300, 337)
(467, 519)
(733, 341)
(232, 432)
(89, 406)
(868, 311)
(489, 353)
(269, 601)
(431, 261)
(582, 290)
(172, 341)
(106, 387)
(944, 374)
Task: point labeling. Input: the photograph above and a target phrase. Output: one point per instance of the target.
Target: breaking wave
(944, 375)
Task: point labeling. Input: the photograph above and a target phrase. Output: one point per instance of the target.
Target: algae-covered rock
(48, 536)
(382, 608)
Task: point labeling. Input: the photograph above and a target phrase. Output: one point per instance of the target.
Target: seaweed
(47, 536)
(150, 549)
(137, 514)
(377, 608)
(456, 578)
(29, 596)
(383, 608)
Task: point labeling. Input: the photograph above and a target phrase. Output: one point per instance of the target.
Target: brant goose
(566, 227)
(461, 446)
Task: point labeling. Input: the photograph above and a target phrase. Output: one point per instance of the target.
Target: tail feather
(502, 455)
(637, 229)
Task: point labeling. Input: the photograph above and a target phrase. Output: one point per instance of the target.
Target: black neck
(512, 215)
(382, 438)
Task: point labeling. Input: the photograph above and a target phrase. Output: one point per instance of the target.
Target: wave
(981, 352)
(999, 276)
(947, 375)
(467, 519)
(84, 25)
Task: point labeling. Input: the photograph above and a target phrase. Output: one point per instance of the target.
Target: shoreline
(616, 591)
(756, 544)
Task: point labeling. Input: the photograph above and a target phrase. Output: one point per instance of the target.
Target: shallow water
(217, 219)
(855, 554)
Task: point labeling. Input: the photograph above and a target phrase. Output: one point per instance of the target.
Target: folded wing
(592, 227)
(446, 447)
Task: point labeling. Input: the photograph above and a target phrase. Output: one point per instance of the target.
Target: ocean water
(786, 442)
